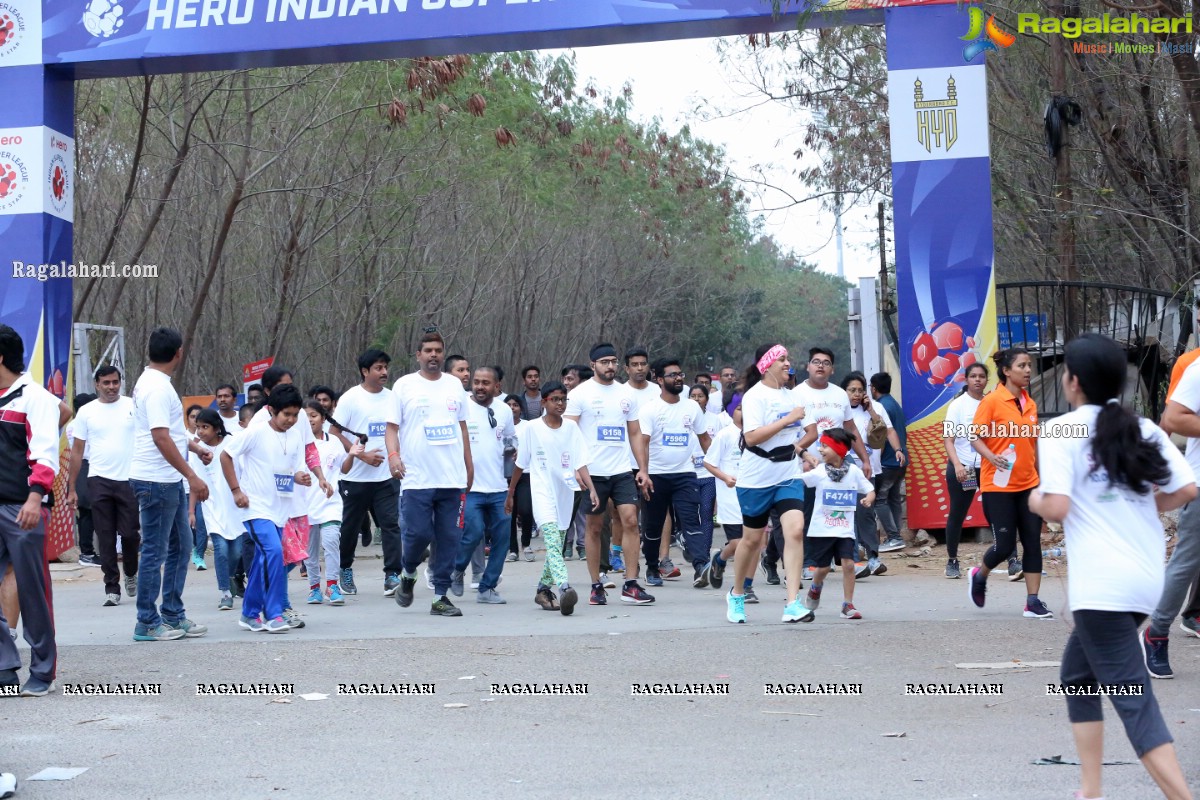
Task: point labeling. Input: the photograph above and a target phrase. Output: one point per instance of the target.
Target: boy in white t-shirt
(836, 485)
(554, 453)
(262, 468)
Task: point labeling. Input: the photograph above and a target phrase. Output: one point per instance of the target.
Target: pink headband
(770, 357)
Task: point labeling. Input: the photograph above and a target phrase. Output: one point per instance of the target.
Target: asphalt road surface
(730, 740)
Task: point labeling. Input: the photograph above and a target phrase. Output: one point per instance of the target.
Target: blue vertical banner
(937, 101)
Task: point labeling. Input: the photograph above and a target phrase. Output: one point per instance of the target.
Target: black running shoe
(442, 607)
(716, 572)
(599, 596)
(772, 572)
(404, 595)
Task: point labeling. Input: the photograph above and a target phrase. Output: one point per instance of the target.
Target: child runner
(836, 485)
(222, 517)
(325, 511)
(555, 453)
(1107, 489)
(722, 461)
(245, 414)
(269, 460)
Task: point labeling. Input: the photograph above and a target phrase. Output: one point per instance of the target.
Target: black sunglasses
(491, 417)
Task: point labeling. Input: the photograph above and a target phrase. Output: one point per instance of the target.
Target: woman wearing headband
(772, 423)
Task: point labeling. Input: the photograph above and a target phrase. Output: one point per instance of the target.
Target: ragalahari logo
(983, 36)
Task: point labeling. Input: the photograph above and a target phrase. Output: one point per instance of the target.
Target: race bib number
(698, 462)
(839, 499)
(285, 484)
(611, 435)
(676, 440)
(376, 430)
(781, 414)
(440, 434)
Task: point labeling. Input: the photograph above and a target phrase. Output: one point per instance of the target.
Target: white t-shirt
(651, 391)
(862, 420)
(828, 407)
(155, 405)
(1114, 536)
(232, 425)
(263, 417)
(1187, 394)
(961, 411)
(267, 461)
(761, 406)
(221, 515)
(604, 414)
(551, 457)
(431, 442)
(833, 509)
(320, 508)
(725, 455)
(108, 426)
(672, 428)
(368, 413)
(487, 444)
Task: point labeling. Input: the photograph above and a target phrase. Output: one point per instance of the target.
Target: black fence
(1042, 316)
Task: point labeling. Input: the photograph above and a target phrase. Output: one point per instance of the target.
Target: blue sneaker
(277, 625)
(347, 582)
(616, 562)
(736, 610)
(391, 582)
(198, 563)
(159, 633)
(335, 596)
(314, 596)
(796, 612)
(653, 577)
(251, 623)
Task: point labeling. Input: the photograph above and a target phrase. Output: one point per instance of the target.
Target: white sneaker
(112, 599)
(607, 581)
(428, 580)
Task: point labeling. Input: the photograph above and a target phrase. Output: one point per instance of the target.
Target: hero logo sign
(14, 177)
(12, 30)
(60, 183)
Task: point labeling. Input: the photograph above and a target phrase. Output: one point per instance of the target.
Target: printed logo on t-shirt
(675, 439)
(565, 459)
(285, 484)
(626, 405)
(376, 429)
(452, 406)
(697, 462)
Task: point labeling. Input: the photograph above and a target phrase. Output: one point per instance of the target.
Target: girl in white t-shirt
(222, 519)
(1107, 489)
(864, 413)
(706, 484)
(962, 461)
(325, 510)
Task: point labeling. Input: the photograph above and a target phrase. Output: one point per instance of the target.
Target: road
(917, 628)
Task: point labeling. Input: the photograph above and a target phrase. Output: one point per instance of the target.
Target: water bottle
(1002, 475)
(1054, 552)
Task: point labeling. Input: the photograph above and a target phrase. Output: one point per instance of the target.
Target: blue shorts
(757, 503)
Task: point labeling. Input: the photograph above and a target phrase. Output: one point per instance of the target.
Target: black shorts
(823, 549)
(731, 531)
(620, 488)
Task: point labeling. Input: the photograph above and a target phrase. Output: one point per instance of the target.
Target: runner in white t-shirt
(222, 518)
(489, 426)
(670, 427)
(841, 490)
(962, 462)
(369, 487)
(606, 413)
(226, 398)
(555, 454)
(262, 469)
(1108, 489)
(434, 461)
(864, 411)
(104, 429)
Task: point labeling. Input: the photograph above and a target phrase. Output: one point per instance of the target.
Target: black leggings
(1010, 517)
(960, 503)
(522, 515)
(1103, 650)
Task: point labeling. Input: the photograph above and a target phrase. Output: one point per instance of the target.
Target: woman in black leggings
(1113, 474)
(1006, 421)
(962, 462)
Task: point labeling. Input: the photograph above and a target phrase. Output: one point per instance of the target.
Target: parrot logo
(983, 36)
